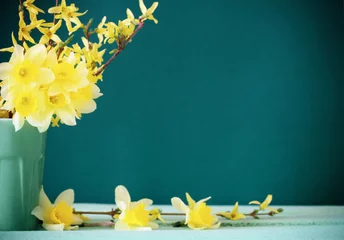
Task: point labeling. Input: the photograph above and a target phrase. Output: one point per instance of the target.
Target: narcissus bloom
(234, 214)
(134, 215)
(265, 205)
(58, 216)
(198, 214)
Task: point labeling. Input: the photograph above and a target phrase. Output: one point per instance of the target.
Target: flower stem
(56, 4)
(121, 47)
(110, 213)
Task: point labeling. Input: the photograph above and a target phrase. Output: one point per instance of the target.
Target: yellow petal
(44, 201)
(191, 202)
(54, 10)
(17, 55)
(77, 220)
(18, 121)
(147, 202)
(266, 202)
(153, 225)
(143, 7)
(45, 76)
(235, 209)
(66, 196)
(178, 204)
(5, 70)
(202, 201)
(239, 216)
(254, 202)
(151, 10)
(122, 195)
(121, 225)
(38, 213)
(53, 227)
(37, 54)
(67, 116)
(272, 210)
(217, 225)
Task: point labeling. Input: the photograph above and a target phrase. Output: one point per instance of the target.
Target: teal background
(229, 98)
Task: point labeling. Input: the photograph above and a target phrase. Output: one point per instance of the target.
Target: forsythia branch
(121, 47)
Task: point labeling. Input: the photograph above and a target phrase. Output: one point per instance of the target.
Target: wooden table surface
(296, 222)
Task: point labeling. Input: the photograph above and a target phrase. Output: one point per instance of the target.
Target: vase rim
(5, 119)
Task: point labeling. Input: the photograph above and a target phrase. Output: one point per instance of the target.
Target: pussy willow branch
(121, 47)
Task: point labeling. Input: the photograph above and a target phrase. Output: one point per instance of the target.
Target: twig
(110, 213)
(121, 47)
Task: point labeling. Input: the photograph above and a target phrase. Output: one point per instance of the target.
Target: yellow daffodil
(68, 78)
(32, 9)
(66, 13)
(265, 205)
(155, 214)
(22, 77)
(234, 214)
(25, 30)
(134, 215)
(50, 34)
(100, 30)
(58, 216)
(148, 13)
(26, 69)
(83, 99)
(198, 215)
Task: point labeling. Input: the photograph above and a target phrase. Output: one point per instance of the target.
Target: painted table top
(296, 222)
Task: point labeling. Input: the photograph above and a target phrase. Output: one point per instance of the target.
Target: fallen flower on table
(198, 214)
(234, 214)
(265, 205)
(156, 214)
(134, 215)
(58, 216)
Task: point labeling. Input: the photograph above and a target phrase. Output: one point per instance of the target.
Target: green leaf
(178, 224)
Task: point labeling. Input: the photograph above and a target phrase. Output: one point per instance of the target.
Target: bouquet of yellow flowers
(54, 81)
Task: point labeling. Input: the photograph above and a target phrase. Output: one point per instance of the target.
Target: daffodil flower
(148, 13)
(22, 76)
(234, 214)
(50, 34)
(134, 215)
(198, 214)
(265, 205)
(58, 216)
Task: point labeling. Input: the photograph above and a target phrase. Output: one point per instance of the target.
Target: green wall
(229, 98)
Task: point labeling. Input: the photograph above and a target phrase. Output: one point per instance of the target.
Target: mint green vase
(22, 156)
